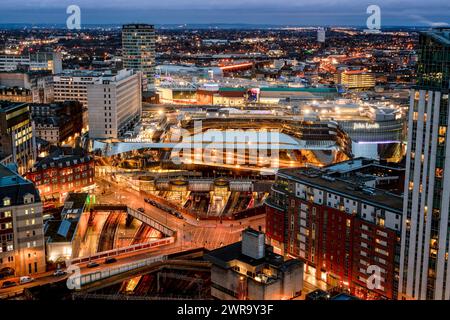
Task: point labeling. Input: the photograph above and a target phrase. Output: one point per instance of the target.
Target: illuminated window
(6, 202)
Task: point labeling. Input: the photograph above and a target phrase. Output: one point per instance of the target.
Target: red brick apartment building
(339, 222)
(62, 172)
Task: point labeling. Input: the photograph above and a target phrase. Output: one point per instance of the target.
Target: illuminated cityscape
(149, 160)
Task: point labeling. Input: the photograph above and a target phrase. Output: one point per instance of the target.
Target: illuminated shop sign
(365, 125)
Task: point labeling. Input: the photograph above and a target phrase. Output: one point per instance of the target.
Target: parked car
(25, 279)
(141, 209)
(8, 284)
(110, 260)
(92, 264)
(59, 273)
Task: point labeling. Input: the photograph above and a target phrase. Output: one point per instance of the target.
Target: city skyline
(224, 150)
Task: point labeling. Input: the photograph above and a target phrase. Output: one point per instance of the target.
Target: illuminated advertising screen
(253, 94)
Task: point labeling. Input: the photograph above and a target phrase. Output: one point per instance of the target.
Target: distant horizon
(14, 25)
(407, 13)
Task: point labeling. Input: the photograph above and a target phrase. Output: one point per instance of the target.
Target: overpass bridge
(155, 224)
(108, 275)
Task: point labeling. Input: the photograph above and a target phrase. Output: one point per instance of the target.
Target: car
(179, 215)
(110, 260)
(141, 209)
(8, 284)
(92, 264)
(25, 279)
(59, 273)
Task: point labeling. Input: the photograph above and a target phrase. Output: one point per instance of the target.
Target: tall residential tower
(424, 264)
(138, 50)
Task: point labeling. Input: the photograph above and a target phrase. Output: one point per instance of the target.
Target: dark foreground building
(250, 270)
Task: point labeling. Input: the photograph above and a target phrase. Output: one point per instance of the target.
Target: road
(39, 279)
(210, 234)
(123, 259)
(191, 233)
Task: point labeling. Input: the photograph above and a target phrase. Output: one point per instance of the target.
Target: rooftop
(225, 255)
(83, 73)
(75, 203)
(357, 164)
(345, 187)
(6, 106)
(64, 230)
(62, 157)
(15, 187)
(344, 296)
(440, 34)
(60, 230)
(300, 89)
(14, 90)
(137, 25)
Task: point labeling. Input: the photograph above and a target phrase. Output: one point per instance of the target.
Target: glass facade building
(424, 267)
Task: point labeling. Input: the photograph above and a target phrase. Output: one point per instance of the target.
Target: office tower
(17, 141)
(425, 268)
(114, 104)
(138, 51)
(71, 85)
(321, 35)
(22, 249)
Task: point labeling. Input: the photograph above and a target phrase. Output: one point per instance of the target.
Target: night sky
(277, 12)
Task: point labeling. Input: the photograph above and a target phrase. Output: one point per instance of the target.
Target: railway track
(107, 237)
